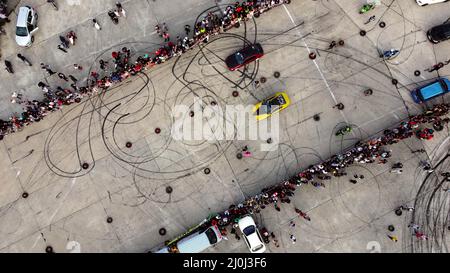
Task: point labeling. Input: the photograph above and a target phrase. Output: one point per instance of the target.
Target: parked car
(244, 56)
(271, 105)
(434, 89)
(428, 2)
(439, 33)
(26, 26)
(196, 242)
(252, 237)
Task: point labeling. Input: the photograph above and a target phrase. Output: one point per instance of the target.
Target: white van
(197, 242)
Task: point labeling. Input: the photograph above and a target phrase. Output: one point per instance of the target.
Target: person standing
(293, 239)
(47, 69)
(120, 9)
(408, 208)
(166, 37)
(397, 171)
(16, 97)
(158, 30)
(414, 227)
(419, 235)
(292, 224)
(62, 76)
(187, 29)
(96, 24)
(23, 59)
(94, 75)
(397, 168)
(77, 67)
(302, 214)
(102, 64)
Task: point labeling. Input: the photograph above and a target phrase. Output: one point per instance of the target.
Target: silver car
(27, 19)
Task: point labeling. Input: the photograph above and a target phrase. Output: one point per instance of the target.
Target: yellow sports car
(272, 105)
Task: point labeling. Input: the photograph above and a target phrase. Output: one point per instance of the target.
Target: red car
(244, 56)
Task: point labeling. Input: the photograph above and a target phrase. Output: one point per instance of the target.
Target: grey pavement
(67, 206)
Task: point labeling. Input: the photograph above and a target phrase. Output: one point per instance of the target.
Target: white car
(252, 237)
(426, 2)
(26, 25)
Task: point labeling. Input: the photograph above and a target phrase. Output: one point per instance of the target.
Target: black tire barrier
(362, 33)
(269, 141)
(398, 212)
(368, 92)
(287, 1)
(207, 171)
(157, 131)
(213, 103)
(263, 80)
(239, 156)
(256, 14)
(340, 106)
(128, 144)
(382, 24)
(276, 74)
(237, 25)
(417, 73)
(235, 94)
(438, 127)
(341, 42)
(25, 195)
(391, 228)
(191, 114)
(394, 81)
(85, 166)
(109, 220)
(440, 65)
(162, 231)
(312, 55)
(316, 117)
(49, 249)
(169, 189)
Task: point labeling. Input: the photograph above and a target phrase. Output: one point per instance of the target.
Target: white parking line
(315, 63)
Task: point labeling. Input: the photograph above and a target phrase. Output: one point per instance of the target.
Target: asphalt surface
(67, 207)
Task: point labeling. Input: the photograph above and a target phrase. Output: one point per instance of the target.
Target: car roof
(253, 48)
(431, 90)
(246, 221)
(444, 26)
(196, 243)
(254, 240)
(22, 17)
(443, 29)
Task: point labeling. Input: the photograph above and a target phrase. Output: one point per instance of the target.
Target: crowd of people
(122, 67)
(372, 151)
(3, 12)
